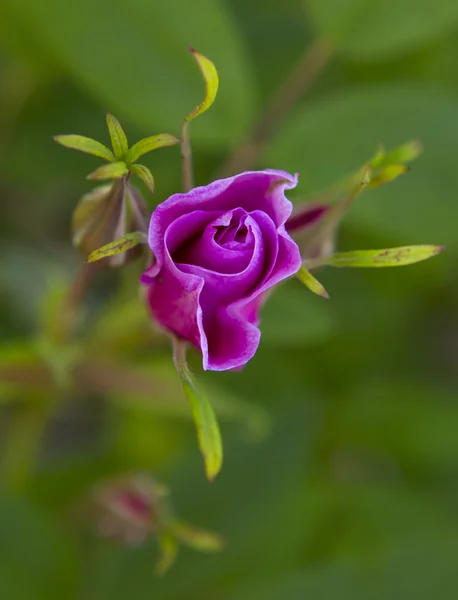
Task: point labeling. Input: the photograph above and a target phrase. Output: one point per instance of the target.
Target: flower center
(235, 236)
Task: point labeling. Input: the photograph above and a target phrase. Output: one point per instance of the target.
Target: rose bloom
(218, 249)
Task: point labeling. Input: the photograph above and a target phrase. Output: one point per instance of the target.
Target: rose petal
(251, 190)
(205, 251)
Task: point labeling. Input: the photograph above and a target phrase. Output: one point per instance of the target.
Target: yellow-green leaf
(114, 170)
(124, 243)
(313, 284)
(386, 174)
(145, 175)
(198, 539)
(210, 75)
(400, 155)
(208, 432)
(150, 143)
(85, 144)
(168, 549)
(118, 137)
(390, 257)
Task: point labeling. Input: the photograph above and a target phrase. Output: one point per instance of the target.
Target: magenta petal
(224, 288)
(251, 190)
(218, 250)
(213, 253)
(232, 342)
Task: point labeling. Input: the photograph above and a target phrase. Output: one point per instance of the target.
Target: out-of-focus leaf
(389, 257)
(311, 282)
(291, 318)
(126, 242)
(114, 170)
(118, 137)
(387, 174)
(145, 175)
(210, 75)
(366, 29)
(162, 140)
(32, 542)
(414, 208)
(168, 550)
(398, 156)
(85, 144)
(147, 77)
(198, 539)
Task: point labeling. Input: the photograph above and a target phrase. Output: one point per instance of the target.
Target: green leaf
(198, 539)
(386, 175)
(168, 549)
(291, 318)
(313, 284)
(400, 155)
(117, 136)
(124, 243)
(114, 170)
(85, 144)
(149, 144)
(368, 30)
(210, 75)
(208, 432)
(145, 175)
(390, 257)
(142, 70)
(315, 142)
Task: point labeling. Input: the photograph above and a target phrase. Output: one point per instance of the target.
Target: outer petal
(232, 334)
(251, 190)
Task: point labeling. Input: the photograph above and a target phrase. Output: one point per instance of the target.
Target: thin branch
(186, 158)
(310, 65)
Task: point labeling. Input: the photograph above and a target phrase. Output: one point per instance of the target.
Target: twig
(186, 158)
(313, 61)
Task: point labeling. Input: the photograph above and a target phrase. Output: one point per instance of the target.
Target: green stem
(303, 75)
(186, 158)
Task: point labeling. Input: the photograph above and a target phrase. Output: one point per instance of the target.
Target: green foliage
(114, 170)
(126, 242)
(389, 257)
(311, 282)
(370, 30)
(208, 432)
(148, 144)
(340, 445)
(142, 72)
(84, 144)
(145, 175)
(118, 137)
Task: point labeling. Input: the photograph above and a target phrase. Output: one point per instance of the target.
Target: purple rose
(218, 249)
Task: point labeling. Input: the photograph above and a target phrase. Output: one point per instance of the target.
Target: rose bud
(128, 509)
(218, 249)
(106, 214)
(312, 227)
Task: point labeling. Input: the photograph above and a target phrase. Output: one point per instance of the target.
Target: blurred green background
(341, 436)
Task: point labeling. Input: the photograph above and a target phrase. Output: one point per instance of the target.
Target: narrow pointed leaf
(199, 539)
(150, 143)
(400, 155)
(313, 284)
(118, 137)
(168, 550)
(208, 432)
(145, 175)
(126, 242)
(210, 75)
(114, 170)
(387, 174)
(85, 144)
(390, 257)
